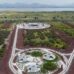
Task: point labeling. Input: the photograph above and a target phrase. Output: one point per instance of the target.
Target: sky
(49, 2)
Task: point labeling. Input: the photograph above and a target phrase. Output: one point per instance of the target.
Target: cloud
(50, 2)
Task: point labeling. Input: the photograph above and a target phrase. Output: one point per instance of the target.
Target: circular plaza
(34, 25)
(38, 61)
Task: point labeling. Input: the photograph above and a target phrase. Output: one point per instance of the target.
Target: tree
(49, 66)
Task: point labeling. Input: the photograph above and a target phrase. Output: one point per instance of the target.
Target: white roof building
(49, 56)
(19, 71)
(29, 63)
(32, 67)
(25, 58)
(33, 25)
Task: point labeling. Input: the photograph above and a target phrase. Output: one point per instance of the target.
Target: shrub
(36, 54)
(49, 66)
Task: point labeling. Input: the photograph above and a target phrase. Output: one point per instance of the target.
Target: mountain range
(34, 5)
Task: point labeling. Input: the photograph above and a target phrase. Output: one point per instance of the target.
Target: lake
(37, 9)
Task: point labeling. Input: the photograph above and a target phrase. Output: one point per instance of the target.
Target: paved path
(13, 53)
(4, 69)
(68, 63)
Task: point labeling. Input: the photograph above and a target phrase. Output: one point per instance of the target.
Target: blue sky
(49, 2)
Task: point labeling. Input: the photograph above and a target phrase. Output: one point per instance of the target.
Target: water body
(36, 9)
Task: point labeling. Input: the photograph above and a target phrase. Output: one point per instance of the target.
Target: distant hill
(34, 5)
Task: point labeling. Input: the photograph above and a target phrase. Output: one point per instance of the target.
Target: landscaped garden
(48, 65)
(43, 38)
(42, 61)
(36, 54)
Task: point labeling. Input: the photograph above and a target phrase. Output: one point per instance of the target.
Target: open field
(4, 32)
(3, 36)
(64, 27)
(39, 38)
(59, 37)
(35, 16)
(50, 36)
